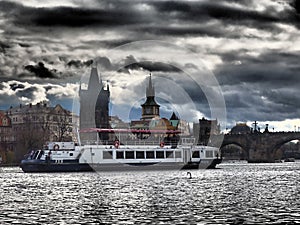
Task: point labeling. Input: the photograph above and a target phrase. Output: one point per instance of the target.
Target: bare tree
(64, 126)
(29, 136)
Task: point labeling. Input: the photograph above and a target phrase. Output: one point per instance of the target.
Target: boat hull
(42, 166)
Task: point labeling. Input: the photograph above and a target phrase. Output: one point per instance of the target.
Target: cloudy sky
(248, 49)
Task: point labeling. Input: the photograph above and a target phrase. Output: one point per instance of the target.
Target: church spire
(150, 109)
(94, 81)
(150, 92)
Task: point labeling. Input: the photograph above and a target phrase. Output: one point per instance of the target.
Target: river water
(235, 193)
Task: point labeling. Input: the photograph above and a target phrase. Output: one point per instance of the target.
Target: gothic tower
(102, 112)
(93, 100)
(150, 108)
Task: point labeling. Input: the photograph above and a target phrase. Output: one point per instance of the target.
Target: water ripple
(233, 194)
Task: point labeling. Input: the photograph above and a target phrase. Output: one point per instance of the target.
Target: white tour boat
(69, 157)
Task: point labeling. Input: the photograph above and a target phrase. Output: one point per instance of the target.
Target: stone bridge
(260, 147)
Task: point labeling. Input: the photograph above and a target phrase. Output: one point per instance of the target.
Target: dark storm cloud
(255, 87)
(131, 63)
(272, 68)
(296, 5)
(102, 62)
(40, 71)
(23, 45)
(152, 67)
(71, 17)
(27, 93)
(201, 12)
(112, 43)
(79, 63)
(248, 103)
(3, 47)
(118, 13)
(195, 11)
(213, 31)
(263, 87)
(16, 86)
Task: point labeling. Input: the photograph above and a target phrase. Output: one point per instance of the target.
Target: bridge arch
(278, 145)
(239, 144)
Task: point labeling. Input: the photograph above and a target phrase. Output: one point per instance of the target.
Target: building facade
(204, 129)
(31, 126)
(6, 138)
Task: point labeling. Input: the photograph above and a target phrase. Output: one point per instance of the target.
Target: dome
(240, 128)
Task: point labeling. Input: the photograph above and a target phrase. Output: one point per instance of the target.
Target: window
(140, 155)
(169, 154)
(107, 155)
(160, 155)
(129, 155)
(177, 154)
(209, 154)
(196, 154)
(150, 154)
(120, 155)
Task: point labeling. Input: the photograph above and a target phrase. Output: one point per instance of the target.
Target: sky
(234, 60)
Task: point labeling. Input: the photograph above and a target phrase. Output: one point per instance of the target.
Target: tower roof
(174, 117)
(94, 81)
(150, 92)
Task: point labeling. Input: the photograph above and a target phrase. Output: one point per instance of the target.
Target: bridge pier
(260, 156)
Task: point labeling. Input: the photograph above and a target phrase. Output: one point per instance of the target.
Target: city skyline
(250, 47)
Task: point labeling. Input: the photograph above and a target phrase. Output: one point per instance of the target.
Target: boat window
(40, 154)
(35, 155)
(120, 155)
(177, 154)
(107, 155)
(71, 154)
(169, 154)
(209, 154)
(129, 155)
(150, 154)
(140, 155)
(196, 154)
(160, 155)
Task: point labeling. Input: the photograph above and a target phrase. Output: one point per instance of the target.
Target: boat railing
(128, 142)
(187, 141)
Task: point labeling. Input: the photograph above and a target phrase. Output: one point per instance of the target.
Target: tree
(29, 136)
(64, 127)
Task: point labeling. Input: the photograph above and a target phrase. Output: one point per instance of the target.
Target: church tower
(150, 109)
(93, 100)
(102, 112)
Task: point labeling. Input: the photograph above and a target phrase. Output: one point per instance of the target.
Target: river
(235, 193)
